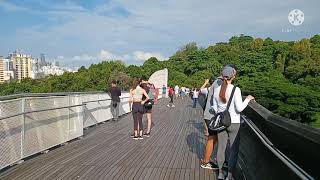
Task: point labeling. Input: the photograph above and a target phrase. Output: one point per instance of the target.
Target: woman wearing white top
(221, 97)
(195, 96)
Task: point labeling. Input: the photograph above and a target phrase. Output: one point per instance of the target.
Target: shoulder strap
(231, 96)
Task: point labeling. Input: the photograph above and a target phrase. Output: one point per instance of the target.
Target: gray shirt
(207, 114)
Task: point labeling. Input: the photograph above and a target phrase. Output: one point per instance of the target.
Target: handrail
(40, 110)
(289, 163)
(22, 95)
(104, 100)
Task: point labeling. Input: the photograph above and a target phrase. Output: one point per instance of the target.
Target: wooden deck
(108, 152)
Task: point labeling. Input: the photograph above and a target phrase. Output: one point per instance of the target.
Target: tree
(257, 44)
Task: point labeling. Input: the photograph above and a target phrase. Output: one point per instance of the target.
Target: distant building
(56, 63)
(35, 65)
(42, 60)
(8, 64)
(53, 70)
(1, 70)
(22, 65)
(8, 70)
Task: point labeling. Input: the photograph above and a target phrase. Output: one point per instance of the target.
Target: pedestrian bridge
(69, 136)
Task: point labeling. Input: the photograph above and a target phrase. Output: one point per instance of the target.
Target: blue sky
(81, 32)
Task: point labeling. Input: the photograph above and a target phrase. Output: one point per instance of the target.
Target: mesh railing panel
(104, 113)
(10, 107)
(10, 141)
(124, 108)
(48, 128)
(75, 118)
(90, 110)
(10, 132)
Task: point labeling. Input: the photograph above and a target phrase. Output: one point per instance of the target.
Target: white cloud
(86, 59)
(140, 55)
(83, 57)
(107, 55)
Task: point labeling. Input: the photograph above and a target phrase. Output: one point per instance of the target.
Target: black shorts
(147, 109)
(211, 133)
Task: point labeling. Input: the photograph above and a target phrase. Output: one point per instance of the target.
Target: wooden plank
(167, 173)
(83, 174)
(172, 174)
(177, 174)
(187, 174)
(130, 174)
(163, 173)
(156, 174)
(138, 174)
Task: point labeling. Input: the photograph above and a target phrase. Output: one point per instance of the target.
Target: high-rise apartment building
(22, 65)
(1, 70)
(6, 70)
(42, 60)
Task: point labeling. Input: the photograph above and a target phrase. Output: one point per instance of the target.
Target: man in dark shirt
(115, 94)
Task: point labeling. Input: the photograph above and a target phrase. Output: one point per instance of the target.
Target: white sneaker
(209, 166)
(173, 105)
(221, 176)
(168, 105)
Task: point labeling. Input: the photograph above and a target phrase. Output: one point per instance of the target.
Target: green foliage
(283, 76)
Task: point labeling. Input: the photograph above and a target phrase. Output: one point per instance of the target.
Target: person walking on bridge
(176, 91)
(136, 96)
(221, 96)
(207, 115)
(115, 94)
(171, 92)
(195, 96)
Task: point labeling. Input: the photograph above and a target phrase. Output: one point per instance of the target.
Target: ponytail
(223, 89)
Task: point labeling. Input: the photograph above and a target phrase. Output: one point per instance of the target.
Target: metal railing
(31, 124)
(298, 171)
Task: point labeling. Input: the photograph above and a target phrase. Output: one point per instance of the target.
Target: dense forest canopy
(283, 76)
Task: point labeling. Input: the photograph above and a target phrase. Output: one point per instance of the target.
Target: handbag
(149, 104)
(222, 120)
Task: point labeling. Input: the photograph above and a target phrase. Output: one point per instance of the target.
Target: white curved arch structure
(159, 78)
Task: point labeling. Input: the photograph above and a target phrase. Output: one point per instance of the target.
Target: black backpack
(222, 120)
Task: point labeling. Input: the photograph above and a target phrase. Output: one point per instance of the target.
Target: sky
(82, 32)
